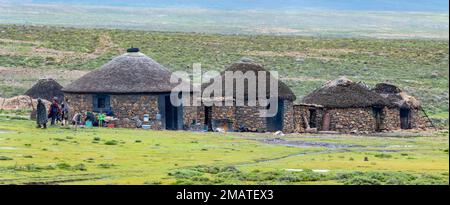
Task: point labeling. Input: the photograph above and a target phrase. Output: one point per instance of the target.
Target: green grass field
(125, 156)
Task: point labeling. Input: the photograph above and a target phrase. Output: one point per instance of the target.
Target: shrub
(361, 180)
(111, 142)
(5, 158)
(383, 155)
(105, 166)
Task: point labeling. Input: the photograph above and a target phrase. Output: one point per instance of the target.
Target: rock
(278, 133)
(311, 130)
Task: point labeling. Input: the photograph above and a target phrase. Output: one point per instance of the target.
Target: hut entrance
(275, 123)
(312, 118)
(377, 111)
(208, 116)
(326, 121)
(404, 118)
(173, 115)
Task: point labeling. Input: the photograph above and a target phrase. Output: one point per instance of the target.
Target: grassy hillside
(419, 66)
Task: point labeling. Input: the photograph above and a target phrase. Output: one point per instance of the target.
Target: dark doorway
(173, 115)
(275, 123)
(208, 117)
(326, 121)
(404, 118)
(312, 118)
(377, 115)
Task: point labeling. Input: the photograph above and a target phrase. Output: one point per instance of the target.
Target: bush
(105, 166)
(5, 158)
(111, 142)
(361, 180)
(383, 155)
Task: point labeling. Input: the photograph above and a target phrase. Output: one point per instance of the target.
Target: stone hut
(349, 106)
(46, 88)
(403, 111)
(128, 87)
(245, 117)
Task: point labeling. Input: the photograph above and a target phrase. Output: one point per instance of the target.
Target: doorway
(275, 123)
(326, 121)
(377, 111)
(404, 118)
(173, 115)
(312, 118)
(208, 118)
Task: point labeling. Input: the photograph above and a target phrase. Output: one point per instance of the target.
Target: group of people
(56, 113)
(90, 119)
(60, 113)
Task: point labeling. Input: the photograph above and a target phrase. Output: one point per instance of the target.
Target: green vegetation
(418, 66)
(68, 156)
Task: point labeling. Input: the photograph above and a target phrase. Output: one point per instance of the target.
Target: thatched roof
(46, 89)
(132, 72)
(343, 93)
(284, 92)
(395, 96)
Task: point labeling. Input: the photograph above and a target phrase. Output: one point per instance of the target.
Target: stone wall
(302, 113)
(248, 117)
(418, 119)
(391, 119)
(288, 117)
(124, 107)
(193, 117)
(348, 120)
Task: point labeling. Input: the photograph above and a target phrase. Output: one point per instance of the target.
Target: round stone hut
(403, 111)
(348, 106)
(247, 117)
(128, 88)
(47, 89)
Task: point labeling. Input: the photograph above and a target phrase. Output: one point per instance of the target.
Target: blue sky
(352, 5)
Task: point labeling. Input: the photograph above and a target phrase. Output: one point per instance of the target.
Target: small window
(101, 103)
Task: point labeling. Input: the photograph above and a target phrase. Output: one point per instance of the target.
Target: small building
(403, 110)
(47, 89)
(349, 107)
(307, 117)
(245, 117)
(128, 87)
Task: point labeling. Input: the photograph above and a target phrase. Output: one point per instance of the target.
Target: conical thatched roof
(395, 96)
(284, 92)
(46, 89)
(343, 93)
(132, 72)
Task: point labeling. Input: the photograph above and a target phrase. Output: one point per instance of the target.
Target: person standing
(54, 111)
(41, 115)
(64, 113)
(100, 118)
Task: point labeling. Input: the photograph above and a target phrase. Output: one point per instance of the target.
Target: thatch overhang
(344, 93)
(396, 97)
